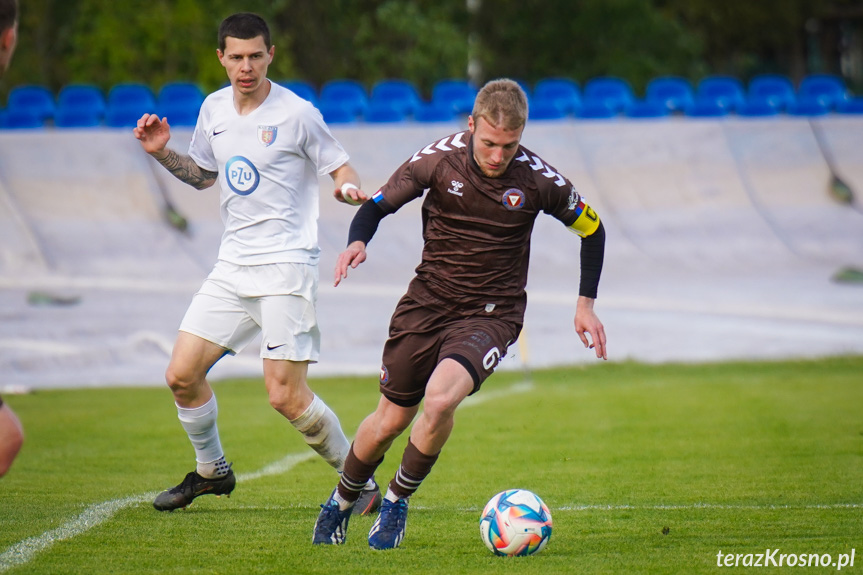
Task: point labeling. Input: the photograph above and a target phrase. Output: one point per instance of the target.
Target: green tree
(105, 42)
(583, 39)
(743, 37)
(370, 40)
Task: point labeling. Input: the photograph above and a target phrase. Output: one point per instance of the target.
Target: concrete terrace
(723, 241)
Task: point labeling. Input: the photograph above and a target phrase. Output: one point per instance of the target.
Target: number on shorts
(491, 358)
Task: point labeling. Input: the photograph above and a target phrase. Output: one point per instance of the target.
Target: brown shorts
(420, 338)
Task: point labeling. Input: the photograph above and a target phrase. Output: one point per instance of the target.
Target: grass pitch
(646, 469)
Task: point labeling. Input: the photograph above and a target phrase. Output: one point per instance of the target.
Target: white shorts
(236, 303)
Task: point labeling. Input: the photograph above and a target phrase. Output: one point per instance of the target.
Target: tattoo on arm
(186, 170)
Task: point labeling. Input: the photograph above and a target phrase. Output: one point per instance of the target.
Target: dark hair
(243, 26)
(8, 13)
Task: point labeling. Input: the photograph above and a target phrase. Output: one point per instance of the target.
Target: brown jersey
(476, 229)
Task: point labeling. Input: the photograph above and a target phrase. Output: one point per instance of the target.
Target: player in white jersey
(266, 148)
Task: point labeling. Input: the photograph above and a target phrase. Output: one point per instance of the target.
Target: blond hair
(502, 103)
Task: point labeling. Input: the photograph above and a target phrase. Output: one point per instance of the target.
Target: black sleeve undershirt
(592, 255)
(365, 223)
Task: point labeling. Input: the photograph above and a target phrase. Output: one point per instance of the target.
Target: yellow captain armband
(587, 221)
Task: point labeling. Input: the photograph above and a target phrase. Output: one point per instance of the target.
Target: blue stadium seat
(127, 103)
(647, 109)
(616, 93)
(33, 100)
(346, 94)
(563, 91)
(182, 92)
(86, 100)
(810, 106)
(827, 87)
(759, 106)
(123, 117)
(776, 90)
(336, 113)
(524, 86)
(724, 90)
(673, 92)
(547, 109)
(66, 118)
(457, 94)
(434, 112)
(184, 116)
(399, 94)
(852, 106)
(132, 94)
(596, 110)
(180, 102)
(22, 119)
(302, 89)
(384, 112)
(710, 107)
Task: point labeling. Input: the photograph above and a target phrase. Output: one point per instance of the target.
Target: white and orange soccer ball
(515, 522)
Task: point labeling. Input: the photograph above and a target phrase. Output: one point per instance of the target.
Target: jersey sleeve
(200, 149)
(562, 200)
(414, 177)
(318, 142)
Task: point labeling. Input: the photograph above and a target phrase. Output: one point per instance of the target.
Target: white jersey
(268, 163)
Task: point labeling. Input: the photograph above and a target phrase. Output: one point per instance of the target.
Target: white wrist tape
(345, 187)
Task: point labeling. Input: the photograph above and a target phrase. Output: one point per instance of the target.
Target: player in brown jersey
(466, 305)
(11, 432)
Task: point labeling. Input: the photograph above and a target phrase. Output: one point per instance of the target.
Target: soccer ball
(515, 522)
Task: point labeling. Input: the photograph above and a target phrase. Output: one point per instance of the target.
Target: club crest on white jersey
(267, 135)
(241, 175)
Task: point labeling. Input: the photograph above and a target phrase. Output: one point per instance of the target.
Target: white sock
(200, 426)
(343, 503)
(323, 433)
(391, 495)
(213, 469)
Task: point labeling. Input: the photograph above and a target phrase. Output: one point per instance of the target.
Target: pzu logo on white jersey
(242, 176)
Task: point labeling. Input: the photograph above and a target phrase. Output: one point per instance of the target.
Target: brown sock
(414, 468)
(355, 476)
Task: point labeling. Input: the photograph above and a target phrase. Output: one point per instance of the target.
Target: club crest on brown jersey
(513, 199)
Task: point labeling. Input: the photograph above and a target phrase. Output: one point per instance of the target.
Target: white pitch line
(24, 551)
(279, 467)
